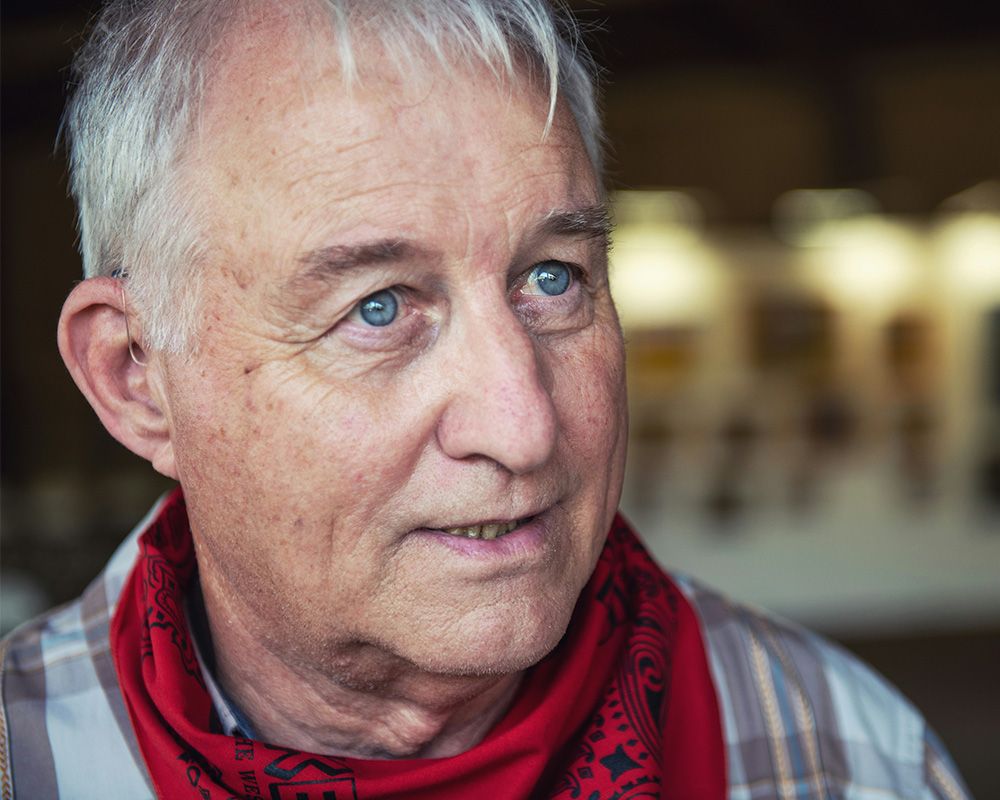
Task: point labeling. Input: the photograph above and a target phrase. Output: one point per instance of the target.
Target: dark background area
(744, 100)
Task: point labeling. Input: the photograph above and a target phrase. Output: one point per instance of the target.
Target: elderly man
(347, 284)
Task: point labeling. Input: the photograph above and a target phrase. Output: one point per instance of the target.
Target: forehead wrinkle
(299, 156)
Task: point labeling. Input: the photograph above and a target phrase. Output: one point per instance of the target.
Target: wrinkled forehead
(284, 126)
(294, 47)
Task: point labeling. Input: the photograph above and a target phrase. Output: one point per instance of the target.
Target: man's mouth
(490, 530)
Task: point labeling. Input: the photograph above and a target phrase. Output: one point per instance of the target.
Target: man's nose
(500, 405)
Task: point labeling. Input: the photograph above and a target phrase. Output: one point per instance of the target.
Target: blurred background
(807, 266)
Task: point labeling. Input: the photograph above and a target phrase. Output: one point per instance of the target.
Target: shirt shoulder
(802, 715)
(64, 728)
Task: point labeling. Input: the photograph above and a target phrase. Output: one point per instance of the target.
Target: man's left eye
(379, 309)
(549, 277)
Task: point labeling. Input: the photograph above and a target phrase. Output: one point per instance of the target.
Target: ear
(94, 343)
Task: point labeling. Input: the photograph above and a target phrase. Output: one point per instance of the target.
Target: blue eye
(379, 309)
(552, 277)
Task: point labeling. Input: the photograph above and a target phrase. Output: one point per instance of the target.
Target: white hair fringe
(139, 81)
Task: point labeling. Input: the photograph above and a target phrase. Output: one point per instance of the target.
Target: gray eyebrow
(345, 257)
(326, 263)
(590, 222)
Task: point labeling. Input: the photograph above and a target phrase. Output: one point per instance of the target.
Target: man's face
(407, 329)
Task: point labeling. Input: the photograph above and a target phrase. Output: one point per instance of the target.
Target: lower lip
(524, 541)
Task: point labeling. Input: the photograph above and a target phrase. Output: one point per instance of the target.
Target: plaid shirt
(802, 719)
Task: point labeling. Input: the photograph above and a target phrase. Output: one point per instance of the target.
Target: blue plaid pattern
(805, 720)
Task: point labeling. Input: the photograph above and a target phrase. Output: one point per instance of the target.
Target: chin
(494, 646)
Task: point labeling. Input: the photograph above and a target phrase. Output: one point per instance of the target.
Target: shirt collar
(232, 721)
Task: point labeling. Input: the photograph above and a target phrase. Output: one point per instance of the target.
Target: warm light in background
(868, 262)
(657, 278)
(661, 269)
(968, 248)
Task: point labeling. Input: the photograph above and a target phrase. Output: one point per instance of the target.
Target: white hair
(140, 79)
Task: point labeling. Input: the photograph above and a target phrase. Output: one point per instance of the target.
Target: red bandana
(623, 708)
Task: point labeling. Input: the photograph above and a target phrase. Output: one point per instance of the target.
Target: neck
(364, 702)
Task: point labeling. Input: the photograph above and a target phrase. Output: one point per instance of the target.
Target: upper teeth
(491, 531)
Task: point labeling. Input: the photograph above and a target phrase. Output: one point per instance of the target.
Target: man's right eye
(379, 309)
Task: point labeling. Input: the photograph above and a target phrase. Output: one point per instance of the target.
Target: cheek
(589, 390)
(291, 445)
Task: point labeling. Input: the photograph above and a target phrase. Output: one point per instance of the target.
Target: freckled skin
(309, 450)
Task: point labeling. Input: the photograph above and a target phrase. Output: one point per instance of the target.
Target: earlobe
(117, 382)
